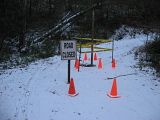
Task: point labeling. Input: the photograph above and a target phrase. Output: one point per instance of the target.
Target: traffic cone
(113, 63)
(77, 64)
(113, 93)
(85, 57)
(95, 56)
(72, 91)
(100, 63)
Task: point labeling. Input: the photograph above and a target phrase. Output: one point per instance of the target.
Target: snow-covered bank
(39, 91)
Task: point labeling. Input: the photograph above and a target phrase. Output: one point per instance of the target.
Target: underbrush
(32, 53)
(149, 55)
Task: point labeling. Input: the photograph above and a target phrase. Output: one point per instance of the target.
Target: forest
(28, 27)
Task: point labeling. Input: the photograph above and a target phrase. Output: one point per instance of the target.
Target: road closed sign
(68, 50)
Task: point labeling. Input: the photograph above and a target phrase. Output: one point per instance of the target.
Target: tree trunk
(1, 44)
(2, 8)
(22, 41)
(2, 15)
(50, 7)
(30, 8)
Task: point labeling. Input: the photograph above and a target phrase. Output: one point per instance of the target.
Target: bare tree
(22, 41)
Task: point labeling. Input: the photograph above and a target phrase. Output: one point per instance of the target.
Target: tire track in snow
(32, 90)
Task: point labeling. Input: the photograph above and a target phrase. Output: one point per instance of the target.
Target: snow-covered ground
(40, 92)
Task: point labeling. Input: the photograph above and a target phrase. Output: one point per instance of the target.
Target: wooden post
(92, 49)
(80, 50)
(112, 49)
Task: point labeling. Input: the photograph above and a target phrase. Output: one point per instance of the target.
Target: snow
(40, 92)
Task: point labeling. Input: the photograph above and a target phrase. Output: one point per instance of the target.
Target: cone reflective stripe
(95, 56)
(85, 57)
(113, 63)
(71, 90)
(113, 93)
(100, 63)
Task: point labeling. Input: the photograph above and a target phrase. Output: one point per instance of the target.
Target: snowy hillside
(40, 92)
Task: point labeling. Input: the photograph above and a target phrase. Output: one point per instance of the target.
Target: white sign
(68, 50)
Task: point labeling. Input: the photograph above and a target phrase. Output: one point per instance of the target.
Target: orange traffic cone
(95, 56)
(77, 64)
(72, 91)
(113, 93)
(100, 63)
(113, 63)
(85, 57)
